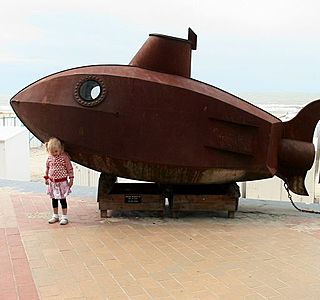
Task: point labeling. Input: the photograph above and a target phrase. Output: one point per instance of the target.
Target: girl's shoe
(53, 220)
(63, 221)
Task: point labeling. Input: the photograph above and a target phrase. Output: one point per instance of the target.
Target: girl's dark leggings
(63, 203)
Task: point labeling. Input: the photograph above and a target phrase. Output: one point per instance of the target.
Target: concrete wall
(84, 176)
(14, 153)
(273, 189)
(87, 177)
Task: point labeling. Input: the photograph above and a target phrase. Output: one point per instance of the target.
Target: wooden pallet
(131, 197)
(151, 197)
(205, 203)
(206, 198)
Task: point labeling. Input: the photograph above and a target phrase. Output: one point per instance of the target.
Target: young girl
(59, 178)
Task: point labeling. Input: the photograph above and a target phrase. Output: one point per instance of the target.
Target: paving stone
(268, 251)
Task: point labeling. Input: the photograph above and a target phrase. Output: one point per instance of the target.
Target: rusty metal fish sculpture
(150, 121)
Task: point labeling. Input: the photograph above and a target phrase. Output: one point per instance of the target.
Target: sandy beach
(38, 158)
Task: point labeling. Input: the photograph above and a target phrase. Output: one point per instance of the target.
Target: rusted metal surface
(151, 121)
(166, 54)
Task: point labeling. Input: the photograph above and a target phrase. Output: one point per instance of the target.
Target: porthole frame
(96, 101)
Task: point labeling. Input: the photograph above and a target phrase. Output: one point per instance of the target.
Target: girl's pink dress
(58, 169)
(58, 190)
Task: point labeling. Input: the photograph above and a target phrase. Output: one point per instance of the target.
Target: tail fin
(302, 126)
(296, 154)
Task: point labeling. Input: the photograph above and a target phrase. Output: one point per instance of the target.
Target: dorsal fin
(166, 54)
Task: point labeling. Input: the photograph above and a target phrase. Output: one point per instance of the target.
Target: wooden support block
(113, 196)
(203, 202)
(221, 198)
(130, 197)
(124, 202)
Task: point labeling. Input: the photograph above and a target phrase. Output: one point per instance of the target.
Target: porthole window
(90, 91)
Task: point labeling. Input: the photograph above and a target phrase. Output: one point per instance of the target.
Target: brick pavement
(268, 251)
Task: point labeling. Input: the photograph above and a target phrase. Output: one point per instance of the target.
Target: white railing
(6, 121)
(84, 176)
(11, 120)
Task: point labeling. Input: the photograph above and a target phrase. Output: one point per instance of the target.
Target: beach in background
(38, 158)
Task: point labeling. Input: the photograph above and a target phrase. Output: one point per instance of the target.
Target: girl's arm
(69, 169)
(46, 176)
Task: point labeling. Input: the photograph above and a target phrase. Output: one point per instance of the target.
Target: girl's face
(55, 151)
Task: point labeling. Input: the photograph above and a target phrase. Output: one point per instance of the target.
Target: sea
(283, 105)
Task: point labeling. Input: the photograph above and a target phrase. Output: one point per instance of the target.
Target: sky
(244, 46)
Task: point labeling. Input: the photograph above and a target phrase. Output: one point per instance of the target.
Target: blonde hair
(54, 144)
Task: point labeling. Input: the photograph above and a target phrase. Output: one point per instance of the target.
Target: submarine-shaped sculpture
(150, 121)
